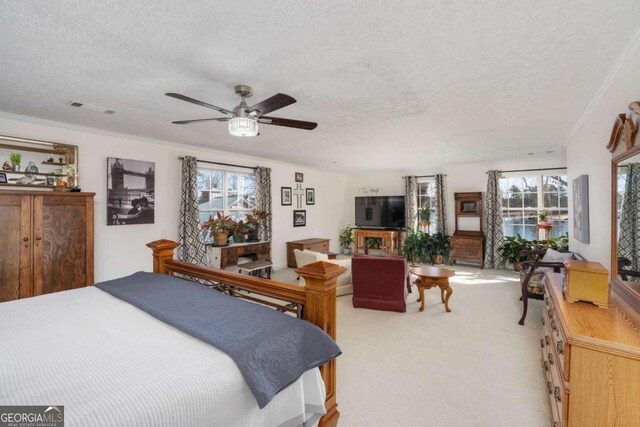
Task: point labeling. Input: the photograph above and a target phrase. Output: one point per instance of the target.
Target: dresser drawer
(466, 251)
(461, 241)
(321, 246)
(557, 342)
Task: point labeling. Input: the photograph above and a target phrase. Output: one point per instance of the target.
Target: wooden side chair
(532, 276)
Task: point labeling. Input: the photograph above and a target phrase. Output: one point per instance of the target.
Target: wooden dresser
(591, 360)
(391, 240)
(314, 244)
(226, 256)
(46, 241)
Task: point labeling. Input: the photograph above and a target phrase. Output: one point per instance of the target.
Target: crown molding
(631, 48)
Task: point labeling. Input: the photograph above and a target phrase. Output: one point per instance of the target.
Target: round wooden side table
(428, 277)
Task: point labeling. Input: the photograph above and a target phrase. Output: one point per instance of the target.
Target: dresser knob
(26, 239)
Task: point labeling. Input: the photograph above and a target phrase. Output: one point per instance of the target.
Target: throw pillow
(555, 256)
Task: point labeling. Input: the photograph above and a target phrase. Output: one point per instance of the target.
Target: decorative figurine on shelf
(6, 166)
(15, 159)
(31, 167)
(27, 179)
(60, 160)
(50, 160)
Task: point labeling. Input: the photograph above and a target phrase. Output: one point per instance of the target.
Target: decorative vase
(543, 223)
(31, 167)
(437, 259)
(517, 266)
(15, 168)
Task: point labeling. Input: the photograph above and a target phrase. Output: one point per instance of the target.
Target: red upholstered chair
(380, 283)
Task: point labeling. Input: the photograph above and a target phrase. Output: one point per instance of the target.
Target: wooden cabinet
(591, 360)
(315, 244)
(226, 256)
(47, 242)
(467, 242)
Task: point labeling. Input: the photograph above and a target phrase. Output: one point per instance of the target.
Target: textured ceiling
(402, 84)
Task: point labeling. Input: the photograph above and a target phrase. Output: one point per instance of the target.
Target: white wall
(121, 250)
(460, 178)
(586, 153)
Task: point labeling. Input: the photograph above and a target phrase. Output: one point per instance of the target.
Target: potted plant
(346, 239)
(438, 247)
(542, 216)
(511, 248)
(255, 220)
(425, 214)
(218, 228)
(414, 247)
(238, 230)
(15, 159)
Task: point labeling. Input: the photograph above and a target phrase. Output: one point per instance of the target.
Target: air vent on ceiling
(90, 107)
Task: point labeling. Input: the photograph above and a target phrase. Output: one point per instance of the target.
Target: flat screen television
(380, 212)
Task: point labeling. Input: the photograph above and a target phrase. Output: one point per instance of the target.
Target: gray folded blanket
(271, 348)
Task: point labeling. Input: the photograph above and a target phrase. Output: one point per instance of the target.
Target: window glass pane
(204, 202)
(204, 180)
(515, 200)
(550, 200)
(503, 183)
(530, 218)
(562, 183)
(515, 185)
(505, 200)
(530, 184)
(216, 180)
(241, 191)
(529, 232)
(530, 200)
(564, 200)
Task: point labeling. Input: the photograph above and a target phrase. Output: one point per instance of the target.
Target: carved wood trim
(625, 128)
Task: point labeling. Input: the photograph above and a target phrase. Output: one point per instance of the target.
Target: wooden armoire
(46, 242)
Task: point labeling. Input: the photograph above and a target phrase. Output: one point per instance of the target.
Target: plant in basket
(218, 228)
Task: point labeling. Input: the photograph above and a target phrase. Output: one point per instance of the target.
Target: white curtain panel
(441, 204)
(492, 221)
(263, 199)
(192, 247)
(411, 202)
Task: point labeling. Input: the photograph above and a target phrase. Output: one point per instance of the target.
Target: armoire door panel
(15, 244)
(60, 244)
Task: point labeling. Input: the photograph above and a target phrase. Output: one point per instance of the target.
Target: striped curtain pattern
(629, 235)
(263, 199)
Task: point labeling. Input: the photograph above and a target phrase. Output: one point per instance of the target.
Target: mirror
(37, 164)
(627, 221)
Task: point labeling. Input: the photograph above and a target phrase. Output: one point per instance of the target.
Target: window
(230, 193)
(426, 198)
(524, 196)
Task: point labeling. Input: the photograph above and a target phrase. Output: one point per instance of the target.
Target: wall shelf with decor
(39, 164)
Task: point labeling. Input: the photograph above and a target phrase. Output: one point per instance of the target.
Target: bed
(110, 360)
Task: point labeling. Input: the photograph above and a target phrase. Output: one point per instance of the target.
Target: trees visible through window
(524, 196)
(230, 193)
(426, 198)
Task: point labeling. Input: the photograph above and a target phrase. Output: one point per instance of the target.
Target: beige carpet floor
(473, 367)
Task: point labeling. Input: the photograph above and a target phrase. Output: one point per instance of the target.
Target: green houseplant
(218, 228)
(238, 230)
(15, 159)
(425, 214)
(346, 239)
(438, 247)
(255, 219)
(511, 248)
(414, 247)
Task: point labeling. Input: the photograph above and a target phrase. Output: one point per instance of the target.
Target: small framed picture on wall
(299, 177)
(285, 196)
(311, 196)
(299, 218)
(3, 178)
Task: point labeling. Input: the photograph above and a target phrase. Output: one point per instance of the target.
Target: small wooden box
(587, 281)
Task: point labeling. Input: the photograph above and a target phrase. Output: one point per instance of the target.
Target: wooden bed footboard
(316, 302)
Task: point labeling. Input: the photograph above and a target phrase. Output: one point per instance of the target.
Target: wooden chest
(587, 281)
(468, 247)
(314, 244)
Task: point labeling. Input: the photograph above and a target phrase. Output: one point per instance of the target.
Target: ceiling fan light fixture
(243, 126)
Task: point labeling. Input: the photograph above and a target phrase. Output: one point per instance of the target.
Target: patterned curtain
(411, 202)
(441, 205)
(629, 235)
(192, 247)
(492, 221)
(263, 199)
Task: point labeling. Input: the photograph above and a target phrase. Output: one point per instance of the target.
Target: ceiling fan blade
(274, 103)
(298, 124)
(195, 101)
(186, 122)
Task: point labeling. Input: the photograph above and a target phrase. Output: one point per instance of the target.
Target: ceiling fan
(243, 120)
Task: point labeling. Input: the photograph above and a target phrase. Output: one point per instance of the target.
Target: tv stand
(391, 240)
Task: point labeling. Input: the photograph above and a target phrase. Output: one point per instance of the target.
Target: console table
(315, 244)
(391, 240)
(226, 256)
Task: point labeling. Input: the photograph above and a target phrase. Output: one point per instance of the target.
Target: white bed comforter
(111, 364)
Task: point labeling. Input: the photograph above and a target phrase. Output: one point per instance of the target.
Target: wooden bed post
(162, 251)
(320, 309)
